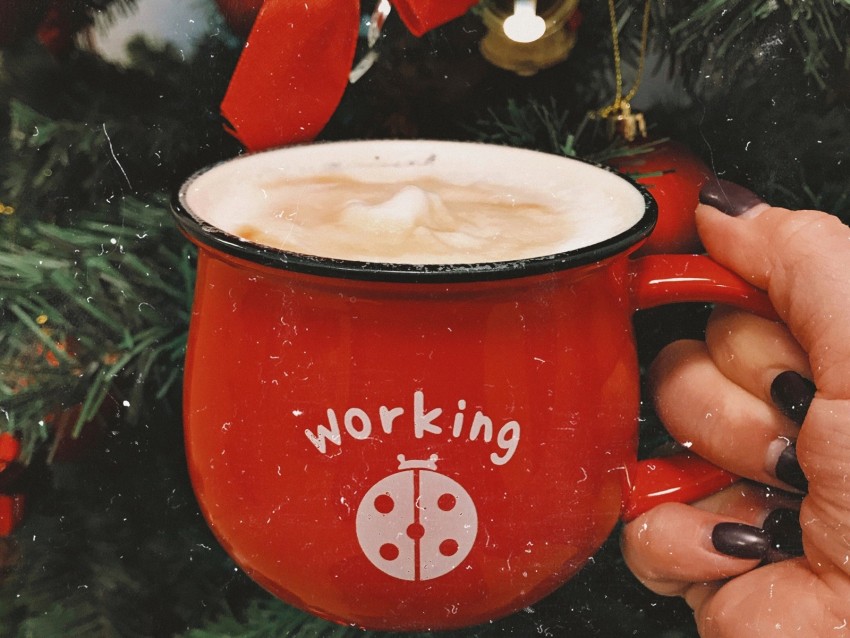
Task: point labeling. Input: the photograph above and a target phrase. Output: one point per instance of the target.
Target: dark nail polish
(786, 535)
(728, 197)
(792, 394)
(740, 541)
(788, 469)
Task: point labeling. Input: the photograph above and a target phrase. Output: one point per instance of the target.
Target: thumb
(802, 259)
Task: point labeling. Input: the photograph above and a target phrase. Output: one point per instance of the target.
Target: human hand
(743, 400)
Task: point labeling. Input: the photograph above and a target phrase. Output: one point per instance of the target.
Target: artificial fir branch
(530, 124)
(94, 276)
(112, 293)
(271, 618)
(115, 546)
(83, 131)
(744, 34)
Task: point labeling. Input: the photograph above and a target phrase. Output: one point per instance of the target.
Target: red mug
(400, 446)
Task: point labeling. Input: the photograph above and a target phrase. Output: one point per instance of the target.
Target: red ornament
(11, 512)
(67, 448)
(62, 22)
(19, 19)
(64, 447)
(10, 447)
(239, 14)
(54, 22)
(11, 503)
(674, 176)
(61, 420)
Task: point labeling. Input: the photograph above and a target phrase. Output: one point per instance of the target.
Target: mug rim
(205, 234)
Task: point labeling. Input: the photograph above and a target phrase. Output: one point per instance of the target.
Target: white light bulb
(524, 25)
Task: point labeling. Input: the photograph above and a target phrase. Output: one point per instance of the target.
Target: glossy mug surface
(399, 443)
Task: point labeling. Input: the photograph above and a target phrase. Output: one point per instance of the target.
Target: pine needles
(746, 34)
(108, 297)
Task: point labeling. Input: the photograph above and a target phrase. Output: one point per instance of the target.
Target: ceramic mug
(409, 446)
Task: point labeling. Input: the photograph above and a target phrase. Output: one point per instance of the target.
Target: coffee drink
(395, 202)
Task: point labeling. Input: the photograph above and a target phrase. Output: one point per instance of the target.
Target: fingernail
(740, 541)
(783, 528)
(731, 198)
(788, 470)
(792, 393)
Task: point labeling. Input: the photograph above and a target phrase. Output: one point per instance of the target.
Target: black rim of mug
(205, 234)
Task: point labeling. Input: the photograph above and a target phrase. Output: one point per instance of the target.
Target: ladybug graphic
(416, 524)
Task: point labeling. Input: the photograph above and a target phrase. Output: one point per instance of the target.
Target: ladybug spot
(448, 547)
(446, 502)
(388, 551)
(415, 531)
(384, 504)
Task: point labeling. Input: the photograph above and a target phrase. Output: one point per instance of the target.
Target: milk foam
(415, 202)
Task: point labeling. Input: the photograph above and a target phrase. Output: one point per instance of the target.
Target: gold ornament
(524, 38)
(621, 119)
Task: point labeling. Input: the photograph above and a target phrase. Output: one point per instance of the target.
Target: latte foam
(414, 202)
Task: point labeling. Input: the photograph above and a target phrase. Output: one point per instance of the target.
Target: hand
(744, 399)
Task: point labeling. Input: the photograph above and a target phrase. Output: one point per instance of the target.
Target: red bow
(295, 65)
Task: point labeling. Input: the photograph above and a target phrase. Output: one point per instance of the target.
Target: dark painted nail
(792, 393)
(788, 468)
(786, 535)
(728, 197)
(740, 541)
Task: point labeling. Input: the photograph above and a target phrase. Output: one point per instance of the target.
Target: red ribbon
(420, 16)
(295, 65)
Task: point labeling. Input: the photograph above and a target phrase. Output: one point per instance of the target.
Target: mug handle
(663, 279)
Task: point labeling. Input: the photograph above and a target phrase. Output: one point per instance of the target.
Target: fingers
(675, 545)
(740, 400)
(782, 600)
(802, 259)
(752, 352)
(747, 392)
(720, 420)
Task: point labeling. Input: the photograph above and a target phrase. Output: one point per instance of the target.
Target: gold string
(621, 103)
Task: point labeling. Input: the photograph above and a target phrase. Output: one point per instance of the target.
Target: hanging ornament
(55, 23)
(622, 120)
(673, 174)
(62, 22)
(19, 19)
(297, 62)
(527, 36)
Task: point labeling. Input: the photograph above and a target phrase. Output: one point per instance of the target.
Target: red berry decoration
(674, 176)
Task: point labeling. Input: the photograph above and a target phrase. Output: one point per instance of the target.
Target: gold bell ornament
(526, 36)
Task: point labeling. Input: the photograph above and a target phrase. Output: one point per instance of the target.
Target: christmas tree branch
(742, 35)
(109, 298)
